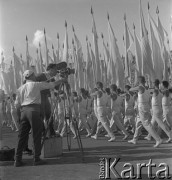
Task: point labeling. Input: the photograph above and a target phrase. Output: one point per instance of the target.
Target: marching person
(116, 107)
(144, 112)
(82, 104)
(166, 103)
(157, 112)
(101, 111)
(129, 119)
(29, 99)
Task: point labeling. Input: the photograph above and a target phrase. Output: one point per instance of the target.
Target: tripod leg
(79, 139)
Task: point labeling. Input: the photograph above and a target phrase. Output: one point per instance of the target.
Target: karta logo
(108, 170)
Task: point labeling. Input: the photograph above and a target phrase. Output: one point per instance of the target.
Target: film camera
(63, 70)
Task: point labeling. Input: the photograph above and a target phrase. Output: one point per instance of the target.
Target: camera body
(64, 73)
(63, 70)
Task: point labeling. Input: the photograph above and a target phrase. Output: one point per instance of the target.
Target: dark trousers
(30, 118)
(19, 120)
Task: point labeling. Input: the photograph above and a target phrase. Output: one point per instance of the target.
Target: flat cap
(27, 73)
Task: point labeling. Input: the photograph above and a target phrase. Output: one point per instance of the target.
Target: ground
(70, 165)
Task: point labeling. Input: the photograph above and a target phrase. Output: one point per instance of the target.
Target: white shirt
(29, 93)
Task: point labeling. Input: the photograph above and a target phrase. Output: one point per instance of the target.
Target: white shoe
(148, 138)
(157, 143)
(107, 135)
(169, 140)
(88, 135)
(133, 141)
(112, 139)
(94, 137)
(62, 135)
(74, 137)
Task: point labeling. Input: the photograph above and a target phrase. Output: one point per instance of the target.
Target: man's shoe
(18, 163)
(94, 137)
(74, 137)
(169, 140)
(133, 141)
(88, 135)
(158, 143)
(112, 139)
(147, 138)
(28, 151)
(107, 135)
(38, 162)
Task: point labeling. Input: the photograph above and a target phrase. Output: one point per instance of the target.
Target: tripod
(69, 120)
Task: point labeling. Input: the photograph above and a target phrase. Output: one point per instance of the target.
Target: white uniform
(167, 109)
(83, 114)
(116, 115)
(102, 116)
(144, 115)
(129, 111)
(157, 114)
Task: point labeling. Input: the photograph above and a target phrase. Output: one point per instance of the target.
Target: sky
(19, 18)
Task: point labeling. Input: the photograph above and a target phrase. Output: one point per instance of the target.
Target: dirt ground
(70, 166)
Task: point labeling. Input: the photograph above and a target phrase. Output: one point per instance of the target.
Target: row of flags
(148, 55)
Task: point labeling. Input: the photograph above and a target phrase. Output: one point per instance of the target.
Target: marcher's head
(157, 83)
(113, 87)
(99, 85)
(127, 88)
(29, 75)
(83, 92)
(141, 80)
(88, 94)
(164, 85)
(14, 96)
(74, 94)
(52, 69)
(107, 91)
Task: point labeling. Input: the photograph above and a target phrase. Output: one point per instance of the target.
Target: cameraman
(29, 99)
(51, 71)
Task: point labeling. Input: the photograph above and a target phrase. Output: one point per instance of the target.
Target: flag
(106, 52)
(89, 69)
(117, 71)
(58, 49)
(93, 65)
(138, 54)
(163, 51)
(42, 67)
(5, 81)
(147, 64)
(2, 65)
(17, 70)
(163, 34)
(54, 55)
(66, 46)
(79, 58)
(128, 39)
(96, 49)
(156, 53)
(12, 82)
(28, 57)
(46, 51)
